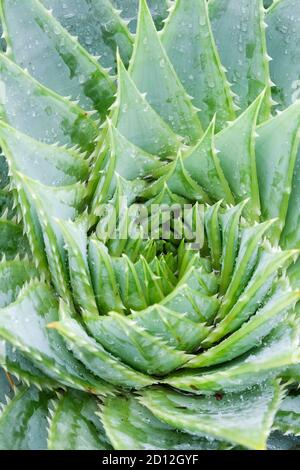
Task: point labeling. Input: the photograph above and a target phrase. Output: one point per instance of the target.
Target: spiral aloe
(184, 333)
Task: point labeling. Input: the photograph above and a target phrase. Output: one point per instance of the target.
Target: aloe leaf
(103, 278)
(198, 306)
(125, 160)
(230, 243)
(204, 166)
(136, 120)
(52, 166)
(290, 237)
(99, 28)
(250, 239)
(8, 203)
(242, 26)
(213, 233)
(5, 387)
(276, 152)
(129, 11)
(94, 356)
(52, 203)
(12, 239)
(254, 294)
(23, 368)
(75, 237)
(282, 40)
(175, 328)
(196, 61)
(4, 179)
(73, 426)
(24, 325)
(28, 410)
(130, 426)
(236, 147)
(277, 352)
(152, 72)
(66, 68)
(252, 332)
(130, 342)
(13, 275)
(287, 419)
(222, 419)
(37, 111)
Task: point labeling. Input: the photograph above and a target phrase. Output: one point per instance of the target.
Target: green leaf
(282, 40)
(75, 237)
(152, 72)
(37, 111)
(252, 332)
(12, 240)
(24, 325)
(130, 426)
(104, 280)
(136, 347)
(239, 31)
(290, 237)
(276, 152)
(265, 273)
(203, 164)
(136, 120)
(189, 43)
(221, 419)
(73, 425)
(213, 234)
(5, 387)
(277, 352)
(67, 67)
(99, 28)
(239, 166)
(52, 166)
(13, 275)
(23, 368)
(250, 239)
(174, 328)
(28, 411)
(230, 243)
(287, 419)
(129, 11)
(94, 356)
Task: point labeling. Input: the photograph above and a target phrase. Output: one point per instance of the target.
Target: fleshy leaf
(277, 352)
(129, 11)
(196, 61)
(66, 67)
(28, 412)
(99, 28)
(221, 419)
(131, 426)
(24, 325)
(282, 40)
(251, 333)
(39, 112)
(94, 356)
(236, 146)
(136, 120)
(287, 419)
(152, 72)
(276, 152)
(239, 31)
(74, 426)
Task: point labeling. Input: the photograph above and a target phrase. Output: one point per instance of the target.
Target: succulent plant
(185, 341)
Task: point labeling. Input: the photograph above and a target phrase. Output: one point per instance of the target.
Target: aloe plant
(157, 342)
